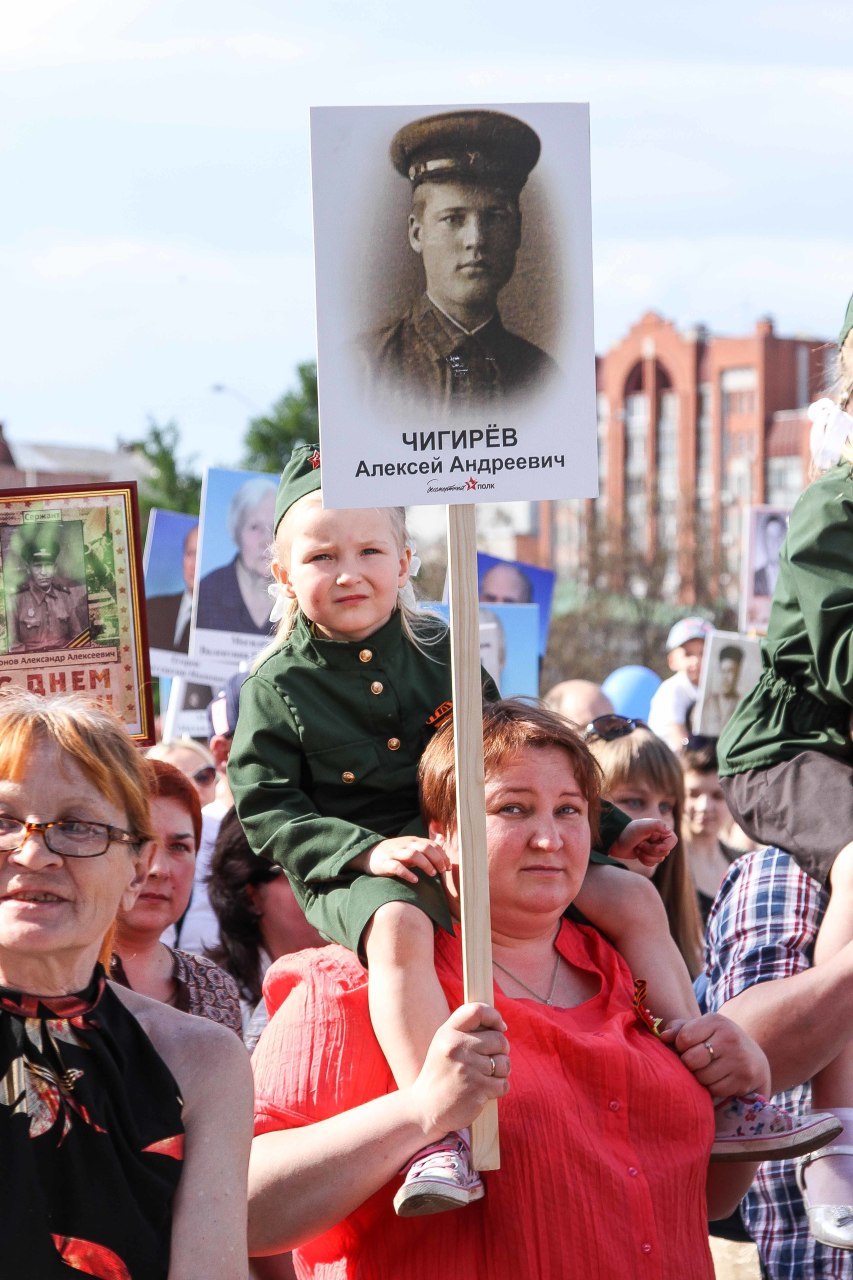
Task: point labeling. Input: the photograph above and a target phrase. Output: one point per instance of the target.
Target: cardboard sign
(454, 316)
(72, 618)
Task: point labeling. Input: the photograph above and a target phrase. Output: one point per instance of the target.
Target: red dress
(605, 1136)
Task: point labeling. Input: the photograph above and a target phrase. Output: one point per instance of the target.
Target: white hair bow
(276, 593)
(415, 562)
(831, 429)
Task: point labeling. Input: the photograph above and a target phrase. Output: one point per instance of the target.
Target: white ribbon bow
(276, 593)
(831, 429)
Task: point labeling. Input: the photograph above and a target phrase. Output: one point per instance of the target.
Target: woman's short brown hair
(169, 783)
(508, 727)
(94, 738)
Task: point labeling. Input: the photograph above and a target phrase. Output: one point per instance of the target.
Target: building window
(737, 388)
(784, 478)
(636, 469)
(704, 445)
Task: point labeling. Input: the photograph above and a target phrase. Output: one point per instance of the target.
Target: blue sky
(155, 227)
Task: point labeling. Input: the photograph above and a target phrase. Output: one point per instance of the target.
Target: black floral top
(91, 1139)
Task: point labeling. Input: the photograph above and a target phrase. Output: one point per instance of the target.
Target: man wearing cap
(466, 170)
(48, 611)
(674, 700)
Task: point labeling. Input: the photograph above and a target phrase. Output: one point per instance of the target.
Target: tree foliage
(172, 484)
(292, 420)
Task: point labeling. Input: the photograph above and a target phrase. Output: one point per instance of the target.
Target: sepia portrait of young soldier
(450, 350)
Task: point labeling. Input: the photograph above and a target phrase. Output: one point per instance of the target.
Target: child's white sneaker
(438, 1178)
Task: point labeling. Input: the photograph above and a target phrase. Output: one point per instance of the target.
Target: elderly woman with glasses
(605, 1134)
(124, 1124)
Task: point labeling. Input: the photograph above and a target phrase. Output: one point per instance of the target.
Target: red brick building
(692, 427)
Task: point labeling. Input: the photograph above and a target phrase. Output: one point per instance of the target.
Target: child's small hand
(647, 839)
(399, 855)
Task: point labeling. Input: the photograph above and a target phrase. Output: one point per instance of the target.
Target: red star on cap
(315, 459)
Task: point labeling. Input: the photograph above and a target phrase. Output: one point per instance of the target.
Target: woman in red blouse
(605, 1131)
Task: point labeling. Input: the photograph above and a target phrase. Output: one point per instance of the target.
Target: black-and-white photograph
(45, 586)
(455, 295)
(764, 533)
(731, 664)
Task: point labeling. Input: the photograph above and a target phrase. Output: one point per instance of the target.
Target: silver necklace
(549, 999)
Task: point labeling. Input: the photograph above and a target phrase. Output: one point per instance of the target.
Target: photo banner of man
(731, 665)
(509, 636)
(515, 582)
(169, 562)
(72, 616)
(454, 303)
(764, 530)
(231, 619)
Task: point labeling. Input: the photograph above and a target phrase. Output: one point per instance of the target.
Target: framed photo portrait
(169, 564)
(72, 616)
(231, 618)
(508, 646)
(764, 530)
(454, 303)
(731, 665)
(503, 582)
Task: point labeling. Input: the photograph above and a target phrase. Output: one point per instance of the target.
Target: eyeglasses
(69, 837)
(205, 776)
(608, 728)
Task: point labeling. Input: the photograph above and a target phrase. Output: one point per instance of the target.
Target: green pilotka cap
(848, 324)
(300, 476)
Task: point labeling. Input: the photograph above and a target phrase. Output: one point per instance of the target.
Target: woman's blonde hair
(420, 627)
(641, 757)
(92, 736)
(165, 750)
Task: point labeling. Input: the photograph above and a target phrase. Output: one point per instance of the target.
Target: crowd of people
(669, 1036)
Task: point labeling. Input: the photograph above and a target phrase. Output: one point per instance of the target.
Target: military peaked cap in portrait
(38, 545)
(300, 476)
(466, 146)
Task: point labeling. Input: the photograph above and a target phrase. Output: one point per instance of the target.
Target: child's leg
(628, 910)
(407, 1004)
(830, 1179)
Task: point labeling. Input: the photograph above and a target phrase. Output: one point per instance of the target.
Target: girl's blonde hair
(642, 757)
(420, 627)
(845, 387)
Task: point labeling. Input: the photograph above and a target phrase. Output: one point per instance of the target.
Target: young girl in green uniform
(786, 762)
(323, 768)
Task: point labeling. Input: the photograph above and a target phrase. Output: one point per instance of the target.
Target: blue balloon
(630, 689)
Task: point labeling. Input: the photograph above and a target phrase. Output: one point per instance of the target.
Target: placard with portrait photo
(72, 617)
(764, 530)
(453, 261)
(168, 561)
(731, 665)
(508, 646)
(231, 603)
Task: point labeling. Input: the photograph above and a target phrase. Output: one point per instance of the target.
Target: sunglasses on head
(204, 777)
(608, 728)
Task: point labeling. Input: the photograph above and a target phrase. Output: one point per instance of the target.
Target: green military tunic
(324, 765)
(425, 355)
(803, 699)
(324, 762)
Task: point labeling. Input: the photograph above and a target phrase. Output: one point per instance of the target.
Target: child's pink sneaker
(751, 1128)
(438, 1178)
